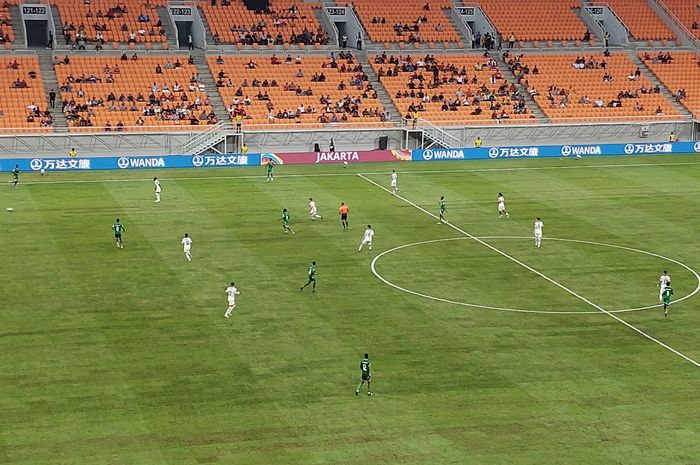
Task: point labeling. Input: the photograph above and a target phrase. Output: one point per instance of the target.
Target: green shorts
(366, 377)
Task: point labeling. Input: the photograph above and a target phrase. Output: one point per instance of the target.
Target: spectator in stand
(511, 40)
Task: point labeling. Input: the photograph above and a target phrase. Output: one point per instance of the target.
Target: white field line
(314, 175)
(540, 274)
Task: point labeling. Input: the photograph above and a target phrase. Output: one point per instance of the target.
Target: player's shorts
(343, 216)
(312, 279)
(393, 183)
(366, 376)
(667, 299)
(501, 207)
(117, 236)
(313, 212)
(366, 241)
(186, 249)
(231, 302)
(538, 235)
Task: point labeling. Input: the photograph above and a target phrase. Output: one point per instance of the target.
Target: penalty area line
(538, 273)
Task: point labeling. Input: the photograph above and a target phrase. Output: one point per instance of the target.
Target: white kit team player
(367, 238)
(394, 182)
(156, 183)
(664, 280)
(231, 293)
(538, 231)
(187, 246)
(313, 210)
(502, 206)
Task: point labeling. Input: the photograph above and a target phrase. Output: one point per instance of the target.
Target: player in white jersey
(156, 183)
(538, 231)
(664, 280)
(313, 210)
(502, 206)
(231, 293)
(187, 246)
(394, 182)
(367, 238)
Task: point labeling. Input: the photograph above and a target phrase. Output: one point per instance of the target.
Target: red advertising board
(359, 156)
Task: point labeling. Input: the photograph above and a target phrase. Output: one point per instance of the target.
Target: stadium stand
(409, 21)
(641, 20)
(681, 75)
(307, 91)
(106, 92)
(469, 88)
(103, 21)
(23, 99)
(7, 34)
(592, 87)
(687, 12)
(286, 22)
(535, 20)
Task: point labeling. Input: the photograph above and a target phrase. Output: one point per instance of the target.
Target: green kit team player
(270, 168)
(15, 176)
(311, 278)
(666, 296)
(442, 209)
(365, 375)
(118, 230)
(285, 222)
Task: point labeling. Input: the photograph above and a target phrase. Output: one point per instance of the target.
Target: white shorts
(158, 191)
(538, 235)
(366, 241)
(501, 207)
(313, 212)
(186, 249)
(231, 302)
(393, 183)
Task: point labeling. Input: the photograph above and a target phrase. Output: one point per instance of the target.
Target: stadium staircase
(382, 95)
(207, 30)
(48, 74)
(656, 81)
(531, 103)
(205, 76)
(170, 32)
(18, 30)
(60, 41)
(437, 137)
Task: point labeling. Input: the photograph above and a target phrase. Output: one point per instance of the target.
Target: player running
(664, 280)
(394, 182)
(502, 206)
(270, 168)
(442, 208)
(367, 238)
(313, 210)
(187, 246)
(311, 278)
(15, 176)
(156, 185)
(118, 229)
(231, 293)
(667, 293)
(285, 221)
(343, 212)
(365, 375)
(538, 231)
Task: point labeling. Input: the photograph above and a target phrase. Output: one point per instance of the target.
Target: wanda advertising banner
(310, 158)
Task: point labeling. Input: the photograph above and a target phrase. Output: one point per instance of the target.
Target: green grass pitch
(123, 356)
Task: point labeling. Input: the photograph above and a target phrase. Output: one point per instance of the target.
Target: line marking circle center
(373, 267)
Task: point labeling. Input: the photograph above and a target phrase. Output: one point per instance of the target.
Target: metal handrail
(204, 135)
(679, 24)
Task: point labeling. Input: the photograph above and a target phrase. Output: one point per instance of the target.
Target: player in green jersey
(15, 176)
(118, 230)
(311, 278)
(365, 375)
(270, 167)
(285, 222)
(442, 209)
(666, 295)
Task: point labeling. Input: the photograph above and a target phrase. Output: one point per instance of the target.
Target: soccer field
(485, 350)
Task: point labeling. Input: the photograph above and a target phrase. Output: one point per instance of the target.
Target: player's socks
(357, 392)
(369, 393)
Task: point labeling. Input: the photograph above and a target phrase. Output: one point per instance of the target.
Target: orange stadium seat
(531, 20)
(476, 83)
(379, 17)
(132, 78)
(231, 23)
(559, 79)
(94, 15)
(641, 20)
(14, 102)
(237, 70)
(683, 73)
(687, 12)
